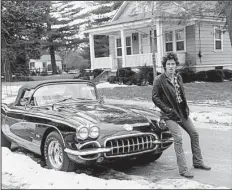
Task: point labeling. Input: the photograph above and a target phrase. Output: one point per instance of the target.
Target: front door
(135, 43)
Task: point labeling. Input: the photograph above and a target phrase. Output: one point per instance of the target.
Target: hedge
(214, 75)
(187, 75)
(227, 74)
(145, 76)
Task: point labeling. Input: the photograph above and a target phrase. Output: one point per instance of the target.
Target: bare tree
(225, 9)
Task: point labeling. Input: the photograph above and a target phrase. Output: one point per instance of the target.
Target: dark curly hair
(169, 56)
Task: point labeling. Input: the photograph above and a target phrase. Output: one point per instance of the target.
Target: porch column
(123, 48)
(112, 53)
(92, 54)
(160, 45)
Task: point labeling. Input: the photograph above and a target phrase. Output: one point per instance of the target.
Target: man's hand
(173, 115)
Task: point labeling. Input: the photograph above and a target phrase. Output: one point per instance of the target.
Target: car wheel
(54, 154)
(149, 157)
(4, 141)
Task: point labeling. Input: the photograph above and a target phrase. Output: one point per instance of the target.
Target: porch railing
(135, 60)
(102, 62)
(139, 60)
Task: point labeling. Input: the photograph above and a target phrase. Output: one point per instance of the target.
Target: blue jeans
(188, 126)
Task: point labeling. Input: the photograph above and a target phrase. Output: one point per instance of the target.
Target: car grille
(127, 145)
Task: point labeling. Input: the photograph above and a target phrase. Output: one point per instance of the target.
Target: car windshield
(62, 92)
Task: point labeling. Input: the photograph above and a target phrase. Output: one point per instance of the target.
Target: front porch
(130, 45)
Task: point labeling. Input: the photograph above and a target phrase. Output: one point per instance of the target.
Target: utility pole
(153, 41)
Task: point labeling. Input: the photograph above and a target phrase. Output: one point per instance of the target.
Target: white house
(199, 42)
(44, 63)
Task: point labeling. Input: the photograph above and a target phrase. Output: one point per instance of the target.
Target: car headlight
(162, 124)
(94, 132)
(83, 133)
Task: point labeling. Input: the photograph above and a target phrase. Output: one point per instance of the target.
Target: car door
(14, 123)
(30, 123)
(33, 126)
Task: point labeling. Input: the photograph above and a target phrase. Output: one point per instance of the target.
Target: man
(168, 94)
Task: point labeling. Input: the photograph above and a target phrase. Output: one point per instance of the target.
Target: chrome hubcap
(55, 154)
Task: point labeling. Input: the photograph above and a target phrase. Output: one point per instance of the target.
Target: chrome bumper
(87, 151)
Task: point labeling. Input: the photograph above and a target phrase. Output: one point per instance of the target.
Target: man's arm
(182, 84)
(156, 97)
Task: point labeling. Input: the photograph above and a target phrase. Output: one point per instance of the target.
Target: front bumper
(87, 152)
(93, 154)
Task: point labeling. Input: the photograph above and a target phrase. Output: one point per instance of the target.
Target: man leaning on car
(168, 94)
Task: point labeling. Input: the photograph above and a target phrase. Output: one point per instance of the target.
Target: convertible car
(67, 122)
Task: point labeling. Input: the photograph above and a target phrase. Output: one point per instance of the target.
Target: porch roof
(169, 12)
(120, 23)
(142, 20)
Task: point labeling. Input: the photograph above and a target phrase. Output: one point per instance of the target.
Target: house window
(32, 64)
(179, 40)
(119, 47)
(175, 40)
(169, 41)
(44, 64)
(128, 45)
(217, 38)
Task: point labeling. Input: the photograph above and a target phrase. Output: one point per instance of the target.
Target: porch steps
(103, 76)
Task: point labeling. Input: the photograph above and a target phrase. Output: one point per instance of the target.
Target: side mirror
(101, 99)
(24, 101)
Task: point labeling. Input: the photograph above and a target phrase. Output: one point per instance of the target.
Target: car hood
(109, 114)
(101, 113)
(113, 120)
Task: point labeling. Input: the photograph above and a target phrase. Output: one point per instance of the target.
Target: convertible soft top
(35, 84)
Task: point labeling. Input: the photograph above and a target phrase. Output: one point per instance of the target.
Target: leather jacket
(164, 97)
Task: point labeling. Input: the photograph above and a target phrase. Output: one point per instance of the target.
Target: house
(200, 42)
(44, 64)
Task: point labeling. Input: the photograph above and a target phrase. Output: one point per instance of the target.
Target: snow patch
(108, 85)
(212, 117)
(36, 177)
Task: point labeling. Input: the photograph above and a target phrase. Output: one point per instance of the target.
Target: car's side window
(27, 95)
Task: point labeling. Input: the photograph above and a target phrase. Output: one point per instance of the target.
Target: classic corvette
(68, 122)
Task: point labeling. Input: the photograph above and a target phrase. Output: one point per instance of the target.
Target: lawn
(203, 91)
(51, 77)
(195, 92)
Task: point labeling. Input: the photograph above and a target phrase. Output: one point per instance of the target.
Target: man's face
(170, 66)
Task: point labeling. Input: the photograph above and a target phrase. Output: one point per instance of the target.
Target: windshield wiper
(70, 98)
(62, 100)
